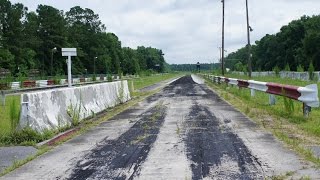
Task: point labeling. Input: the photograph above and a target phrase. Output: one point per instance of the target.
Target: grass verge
(145, 81)
(9, 114)
(84, 126)
(297, 132)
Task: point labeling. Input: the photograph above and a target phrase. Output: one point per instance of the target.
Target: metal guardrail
(308, 95)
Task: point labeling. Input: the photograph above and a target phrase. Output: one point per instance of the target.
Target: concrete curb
(59, 137)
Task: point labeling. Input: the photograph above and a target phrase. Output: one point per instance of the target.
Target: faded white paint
(55, 108)
(309, 95)
(258, 85)
(197, 79)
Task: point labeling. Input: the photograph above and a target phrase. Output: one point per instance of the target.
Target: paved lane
(184, 132)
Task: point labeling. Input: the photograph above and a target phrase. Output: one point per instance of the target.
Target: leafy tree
(6, 59)
(311, 71)
(52, 32)
(296, 44)
(33, 40)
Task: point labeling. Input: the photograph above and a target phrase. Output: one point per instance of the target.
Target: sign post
(69, 52)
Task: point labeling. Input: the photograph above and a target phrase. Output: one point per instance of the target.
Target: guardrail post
(132, 86)
(306, 110)
(272, 99)
(3, 98)
(253, 92)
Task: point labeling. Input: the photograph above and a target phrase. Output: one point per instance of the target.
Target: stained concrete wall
(56, 108)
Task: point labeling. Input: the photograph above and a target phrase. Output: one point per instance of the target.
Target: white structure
(69, 52)
(57, 108)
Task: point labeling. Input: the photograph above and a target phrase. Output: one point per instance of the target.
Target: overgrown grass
(289, 126)
(311, 125)
(145, 81)
(84, 126)
(274, 79)
(9, 114)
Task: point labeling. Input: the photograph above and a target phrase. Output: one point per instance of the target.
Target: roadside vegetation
(295, 47)
(284, 119)
(145, 81)
(28, 49)
(82, 127)
(10, 114)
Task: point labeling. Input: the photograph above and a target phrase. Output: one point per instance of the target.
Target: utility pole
(94, 65)
(222, 52)
(249, 45)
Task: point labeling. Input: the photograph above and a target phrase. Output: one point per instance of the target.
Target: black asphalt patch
(122, 158)
(208, 143)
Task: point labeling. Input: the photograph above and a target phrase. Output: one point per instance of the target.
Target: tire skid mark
(122, 158)
(215, 151)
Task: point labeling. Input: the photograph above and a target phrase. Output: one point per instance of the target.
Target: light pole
(222, 53)
(52, 51)
(94, 65)
(249, 29)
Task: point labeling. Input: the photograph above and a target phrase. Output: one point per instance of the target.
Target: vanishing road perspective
(185, 131)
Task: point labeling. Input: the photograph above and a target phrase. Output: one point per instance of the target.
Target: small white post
(272, 99)
(69, 72)
(306, 110)
(253, 92)
(3, 98)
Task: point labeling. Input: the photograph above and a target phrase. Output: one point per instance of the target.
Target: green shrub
(26, 136)
(276, 70)
(5, 83)
(57, 79)
(288, 105)
(300, 68)
(94, 78)
(311, 71)
(287, 67)
(109, 78)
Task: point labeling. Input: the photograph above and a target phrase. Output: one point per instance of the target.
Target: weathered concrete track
(184, 132)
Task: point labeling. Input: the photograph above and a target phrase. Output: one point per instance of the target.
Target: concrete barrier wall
(58, 108)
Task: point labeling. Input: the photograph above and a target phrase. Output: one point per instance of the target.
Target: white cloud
(187, 30)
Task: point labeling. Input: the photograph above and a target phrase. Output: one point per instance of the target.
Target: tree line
(33, 40)
(296, 47)
(193, 67)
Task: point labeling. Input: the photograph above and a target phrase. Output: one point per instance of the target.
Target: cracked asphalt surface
(186, 131)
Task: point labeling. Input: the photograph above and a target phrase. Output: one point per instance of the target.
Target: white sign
(69, 52)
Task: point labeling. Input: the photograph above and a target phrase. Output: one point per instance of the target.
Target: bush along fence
(307, 95)
(304, 76)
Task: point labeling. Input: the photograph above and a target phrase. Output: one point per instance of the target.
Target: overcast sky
(188, 30)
